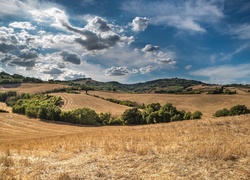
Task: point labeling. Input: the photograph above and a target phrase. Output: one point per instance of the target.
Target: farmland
(210, 148)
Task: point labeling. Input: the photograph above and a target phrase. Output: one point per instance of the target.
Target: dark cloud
(22, 62)
(7, 58)
(116, 71)
(70, 57)
(4, 48)
(150, 48)
(52, 71)
(93, 41)
(27, 54)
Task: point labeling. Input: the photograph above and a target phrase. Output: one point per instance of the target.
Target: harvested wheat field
(211, 148)
(74, 101)
(206, 103)
(30, 87)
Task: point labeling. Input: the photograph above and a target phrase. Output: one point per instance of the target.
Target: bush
(116, 121)
(197, 115)
(222, 112)
(238, 110)
(235, 110)
(132, 116)
(105, 118)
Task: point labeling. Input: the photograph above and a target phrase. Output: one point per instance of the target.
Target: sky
(128, 41)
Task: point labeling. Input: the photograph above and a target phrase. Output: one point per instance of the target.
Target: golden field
(210, 148)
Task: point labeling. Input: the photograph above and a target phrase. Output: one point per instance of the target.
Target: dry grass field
(30, 87)
(210, 148)
(74, 101)
(208, 104)
(205, 149)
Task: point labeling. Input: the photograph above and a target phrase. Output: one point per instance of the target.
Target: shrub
(115, 121)
(187, 116)
(238, 110)
(132, 116)
(105, 118)
(197, 115)
(222, 112)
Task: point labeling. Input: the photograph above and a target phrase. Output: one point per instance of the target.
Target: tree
(132, 116)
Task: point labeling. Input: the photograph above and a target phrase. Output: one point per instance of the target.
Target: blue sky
(126, 40)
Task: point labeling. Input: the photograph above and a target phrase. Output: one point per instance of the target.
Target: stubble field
(210, 148)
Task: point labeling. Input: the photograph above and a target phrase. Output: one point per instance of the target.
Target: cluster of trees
(47, 107)
(221, 90)
(155, 113)
(41, 106)
(233, 111)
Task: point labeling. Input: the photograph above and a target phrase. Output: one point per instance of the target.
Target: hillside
(216, 148)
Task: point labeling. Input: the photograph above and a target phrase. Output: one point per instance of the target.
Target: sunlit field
(210, 148)
(204, 149)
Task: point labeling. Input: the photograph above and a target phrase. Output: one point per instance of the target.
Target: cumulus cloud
(224, 74)
(150, 48)
(100, 39)
(98, 23)
(4, 48)
(119, 71)
(28, 54)
(147, 69)
(70, 57)
(22, 25)
(185, 15)
(140, 23)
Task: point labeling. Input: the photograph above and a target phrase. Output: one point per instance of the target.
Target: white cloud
(224, 74)
(140, 23)
(241, 31)
(188, 67)
(22, 25)
(150, 48)
(237, 51)
(184, 15)
(147, 69)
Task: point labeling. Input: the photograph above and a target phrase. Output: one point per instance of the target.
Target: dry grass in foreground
(205, 149)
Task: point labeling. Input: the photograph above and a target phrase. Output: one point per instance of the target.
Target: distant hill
(6, 78)
(173, 85)
(170, 86)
